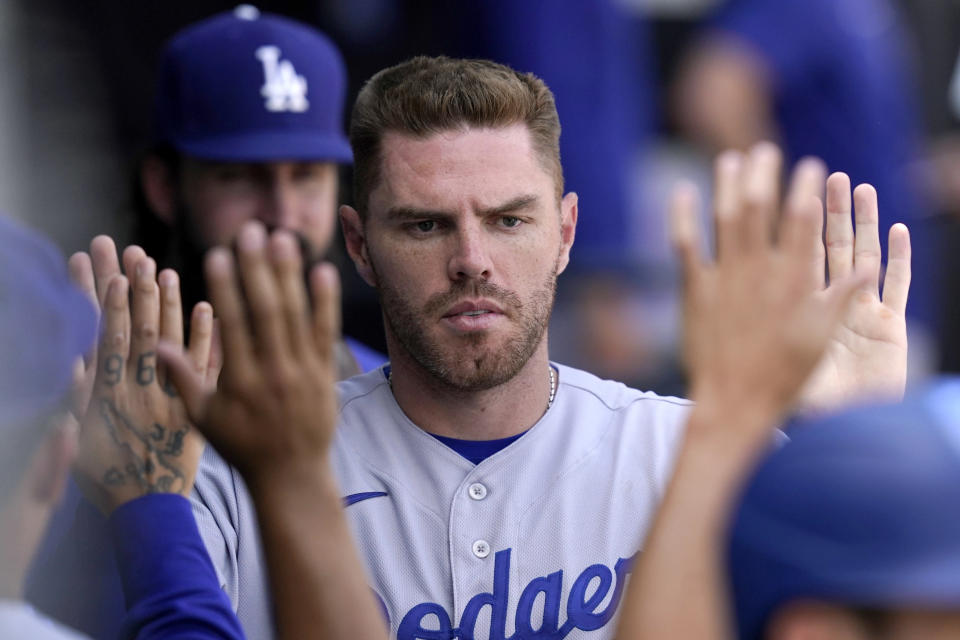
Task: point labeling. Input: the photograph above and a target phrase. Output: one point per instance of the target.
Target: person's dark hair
(149, 231)
(424, 96)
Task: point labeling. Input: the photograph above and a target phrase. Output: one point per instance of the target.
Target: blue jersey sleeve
(170, 585)
(74, 577)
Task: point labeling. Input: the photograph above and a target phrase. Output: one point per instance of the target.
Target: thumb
(185, 378)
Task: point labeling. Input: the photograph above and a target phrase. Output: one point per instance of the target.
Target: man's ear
(159, 188)
(46, 477)
(568, 228)
(355, 238)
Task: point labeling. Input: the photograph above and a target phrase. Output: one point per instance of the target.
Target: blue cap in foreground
(861, 508)
(45, 323)
(245, 86)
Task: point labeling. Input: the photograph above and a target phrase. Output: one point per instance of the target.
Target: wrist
(732, 428)
(294, 483)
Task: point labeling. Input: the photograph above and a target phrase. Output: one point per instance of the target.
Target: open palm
(867, 355)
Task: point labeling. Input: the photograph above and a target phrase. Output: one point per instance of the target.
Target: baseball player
(46, 323)
(493, 493)
(248, 125)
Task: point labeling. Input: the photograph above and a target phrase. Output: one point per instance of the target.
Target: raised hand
(867, 355)
(755, 326)
(273, 417)
(135, 437)
(275, 406)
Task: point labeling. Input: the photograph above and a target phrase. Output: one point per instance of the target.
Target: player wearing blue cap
(248, 125)
(851, 529)
(46, 324)
(848, 531)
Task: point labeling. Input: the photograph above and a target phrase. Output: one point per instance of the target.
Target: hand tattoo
(154, 468)
(146, 370)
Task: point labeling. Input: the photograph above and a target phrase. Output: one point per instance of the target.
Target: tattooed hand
(135, 437)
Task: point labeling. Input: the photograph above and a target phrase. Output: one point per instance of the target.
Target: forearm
(315, 571)
(678, 588)
(168, 580)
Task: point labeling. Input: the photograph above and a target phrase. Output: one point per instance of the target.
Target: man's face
(464, 239)
(218, 197)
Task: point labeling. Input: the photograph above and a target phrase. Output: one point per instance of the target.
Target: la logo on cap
(283, 88)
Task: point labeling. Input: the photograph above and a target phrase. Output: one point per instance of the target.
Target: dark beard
(489, 370)
(186, 253)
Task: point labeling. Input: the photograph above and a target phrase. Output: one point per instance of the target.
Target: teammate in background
(846, 532)
(248, 126)
(829, 78)
(46, 324)
(866, 533)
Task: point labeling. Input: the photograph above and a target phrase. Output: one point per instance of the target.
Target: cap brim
(269, 146)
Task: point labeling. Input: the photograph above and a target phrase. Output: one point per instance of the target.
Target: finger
(817, 255)
(201, 337)
(115, 343)
(325, 287)
(81, 272)
(839, 226)
(224, 288)
(103, 255)
(288, 269)
(185, 379)
(896, 281)
(171, 307)
(685, 231)
(131, 257)
(806, 182)
(146, 322)
(260, 287)
(866, 244)
(800, 224)
(78, 393)
(761, 194)
(215, 362)
(727, 202)
(806, 188)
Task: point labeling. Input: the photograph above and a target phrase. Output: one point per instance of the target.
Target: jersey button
(481, 548)
(477, 491)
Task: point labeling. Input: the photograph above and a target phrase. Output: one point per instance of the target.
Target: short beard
(490, 369)
(186, 254)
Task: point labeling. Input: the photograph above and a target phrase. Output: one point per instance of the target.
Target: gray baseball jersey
(536, 541)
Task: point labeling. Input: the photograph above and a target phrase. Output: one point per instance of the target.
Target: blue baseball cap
(859, 509)
(246, 86)
(45, 323)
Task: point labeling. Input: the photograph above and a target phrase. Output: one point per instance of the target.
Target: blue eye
(426, 226)
(510, 221)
